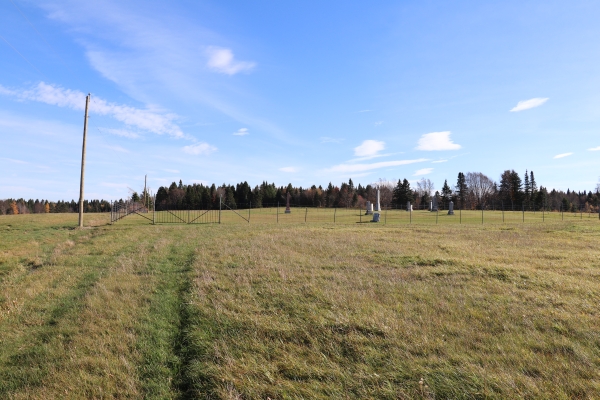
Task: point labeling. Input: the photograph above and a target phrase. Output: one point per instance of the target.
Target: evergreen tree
(402, 193)
(446, 193)
(532, 184)
(461, 188)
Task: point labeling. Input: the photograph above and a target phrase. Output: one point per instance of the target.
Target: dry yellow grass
(298, 311)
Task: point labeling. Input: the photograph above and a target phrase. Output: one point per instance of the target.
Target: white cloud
(241, 132)
(200, 149)
(222, 60)
(527, 104)
(289, 169)
(364, 111)
(123, 133)
(423, 171)
(326, 139)
(437, 141)
(116, 148)
(173, 171)
(438, 161)
(369, 148)
(13, 160)
(368, 167)
(378, 123)
(563, 155)
(146, 119)
(594, 149)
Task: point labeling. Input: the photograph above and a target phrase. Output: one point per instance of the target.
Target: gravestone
(430, 205)
(369, 208)
(451, 208)
(375, 217)
(287, 205)
(378, 206)
(434, 206)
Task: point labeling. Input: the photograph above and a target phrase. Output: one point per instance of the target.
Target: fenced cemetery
(303, 308)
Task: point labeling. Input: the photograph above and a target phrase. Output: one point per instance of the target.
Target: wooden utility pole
(85, 121)
(145, 193)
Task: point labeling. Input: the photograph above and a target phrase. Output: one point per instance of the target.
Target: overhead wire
(22, 56)
(44, 40)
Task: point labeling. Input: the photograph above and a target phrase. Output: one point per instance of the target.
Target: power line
(22, 56)
(41, 37)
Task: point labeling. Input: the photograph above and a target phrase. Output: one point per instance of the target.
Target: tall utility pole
(85, 121)
(145, 193)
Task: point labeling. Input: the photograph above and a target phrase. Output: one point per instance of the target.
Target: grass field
(299, 311)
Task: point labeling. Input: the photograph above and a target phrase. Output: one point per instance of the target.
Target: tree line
(472, 190)
(22, 206)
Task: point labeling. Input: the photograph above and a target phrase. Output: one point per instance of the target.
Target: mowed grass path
(298, 311)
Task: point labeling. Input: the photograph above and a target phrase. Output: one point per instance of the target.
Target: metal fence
(277, 214)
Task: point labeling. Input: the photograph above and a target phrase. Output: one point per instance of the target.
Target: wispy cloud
(146, 119)
(435, 141)
(289, 169)
(423, 171)
(325, 139)
(123, 133)
(116, 148)
(594, 149)
(241, 132)
(563, 155)
(173, 171)
(222, 60)
(345, 168)
(527, 104)
(200, 149)
(378, 123)
(369, 148)
(364, 111)
(438, 161)
(14, 161)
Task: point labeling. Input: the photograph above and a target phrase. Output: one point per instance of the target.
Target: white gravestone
(377, 209)
(451, 208)
(369, 208)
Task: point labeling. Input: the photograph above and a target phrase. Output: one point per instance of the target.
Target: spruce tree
(527, 187)
(461, 188)
(446, 193)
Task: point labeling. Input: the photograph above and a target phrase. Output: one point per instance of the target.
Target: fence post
(436, 215)
(305, 214)
(277, 212)
(482, 214)
(460, 215)
(249, 207)
(410, 212)
(385, 217)
(360, 214)
(220, 198)
(154, 210)
(334, 212)
(502, 212)
(523, 206)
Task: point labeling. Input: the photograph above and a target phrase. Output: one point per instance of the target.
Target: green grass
(300, 311)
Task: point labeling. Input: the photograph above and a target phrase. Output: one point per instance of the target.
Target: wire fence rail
(277, 214)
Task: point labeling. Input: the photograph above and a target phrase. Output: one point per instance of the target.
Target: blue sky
(305, 93)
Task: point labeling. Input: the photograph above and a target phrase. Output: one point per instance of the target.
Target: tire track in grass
(164, 330)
